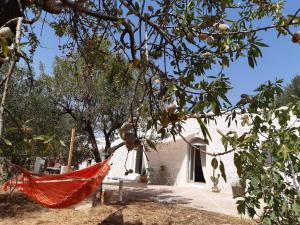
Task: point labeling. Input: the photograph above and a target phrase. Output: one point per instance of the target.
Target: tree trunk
(107, 141)
(8, 76)
(89, 130)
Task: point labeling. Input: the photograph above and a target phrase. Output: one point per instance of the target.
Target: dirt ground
(18, 209)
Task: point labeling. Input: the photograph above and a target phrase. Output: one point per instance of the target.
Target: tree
(35, 126)
(32, 127)
(178, 41)
(290, 92)
(96, 94)
(267, 157)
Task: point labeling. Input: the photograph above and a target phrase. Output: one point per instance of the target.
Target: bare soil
(19, 210)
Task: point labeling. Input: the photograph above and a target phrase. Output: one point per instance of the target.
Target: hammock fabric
(61, 190)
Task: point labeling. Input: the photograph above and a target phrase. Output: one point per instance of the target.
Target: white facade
(175, 163)
(177, 157)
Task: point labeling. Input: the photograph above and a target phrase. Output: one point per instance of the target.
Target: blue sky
(280, 60)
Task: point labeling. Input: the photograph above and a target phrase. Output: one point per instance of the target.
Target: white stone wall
(217, 146)
(119, 163)
(173, 156)
(120, 160)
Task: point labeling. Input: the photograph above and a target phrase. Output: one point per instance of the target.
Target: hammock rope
(60, 190)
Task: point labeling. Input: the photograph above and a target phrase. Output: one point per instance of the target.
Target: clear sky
(280, 60)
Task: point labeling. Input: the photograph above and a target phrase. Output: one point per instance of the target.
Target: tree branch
(75, 6)
(203, 151)
(111, 150)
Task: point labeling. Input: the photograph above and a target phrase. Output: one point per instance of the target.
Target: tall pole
(9, 74)
(71, 149)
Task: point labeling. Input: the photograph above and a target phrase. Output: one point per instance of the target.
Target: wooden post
(71, 149)
(121, 191)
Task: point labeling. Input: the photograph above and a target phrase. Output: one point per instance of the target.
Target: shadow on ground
(16, 204)
(117, 218)
(133, 193)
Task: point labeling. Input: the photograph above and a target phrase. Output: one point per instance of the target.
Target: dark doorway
(199, 176)
(196, 162)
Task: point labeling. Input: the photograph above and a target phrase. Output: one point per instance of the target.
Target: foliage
(290, 92)
(40, 113)
(34, 126)
(98, 95)
(174, 44)
(267, 157)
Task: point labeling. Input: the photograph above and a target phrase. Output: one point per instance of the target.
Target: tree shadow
(161, 196)
(148, 194)
(16, 204)
(117, 218)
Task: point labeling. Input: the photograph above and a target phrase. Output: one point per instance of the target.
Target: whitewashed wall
(174, 157)
(119, 163)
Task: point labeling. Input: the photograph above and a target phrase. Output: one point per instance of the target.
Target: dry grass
(17, 209)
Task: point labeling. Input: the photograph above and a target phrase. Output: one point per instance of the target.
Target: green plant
(267, 157)
(215, 180)
(150, 174)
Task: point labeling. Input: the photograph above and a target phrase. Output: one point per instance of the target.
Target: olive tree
(97, 95)
(33, 124)
(291, 91)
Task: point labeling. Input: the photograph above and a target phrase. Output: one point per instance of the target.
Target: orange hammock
(61, 190)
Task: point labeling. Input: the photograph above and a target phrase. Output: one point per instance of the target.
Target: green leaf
(23, 44)
(214, 163)
(241, 207)
(296, 207)
(284, 151)
(62, 143)
(40, 137)
(151, 144)
(6, 141)
(137, 6)
(251, 61)
(238, 163)
(262, 44)
(266, 221)
(222, 169)
(4, 48)
(204, 129)
(49, 139)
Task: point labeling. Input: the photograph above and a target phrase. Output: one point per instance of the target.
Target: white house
(177, 163)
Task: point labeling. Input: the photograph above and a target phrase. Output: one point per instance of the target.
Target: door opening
(197, 162)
